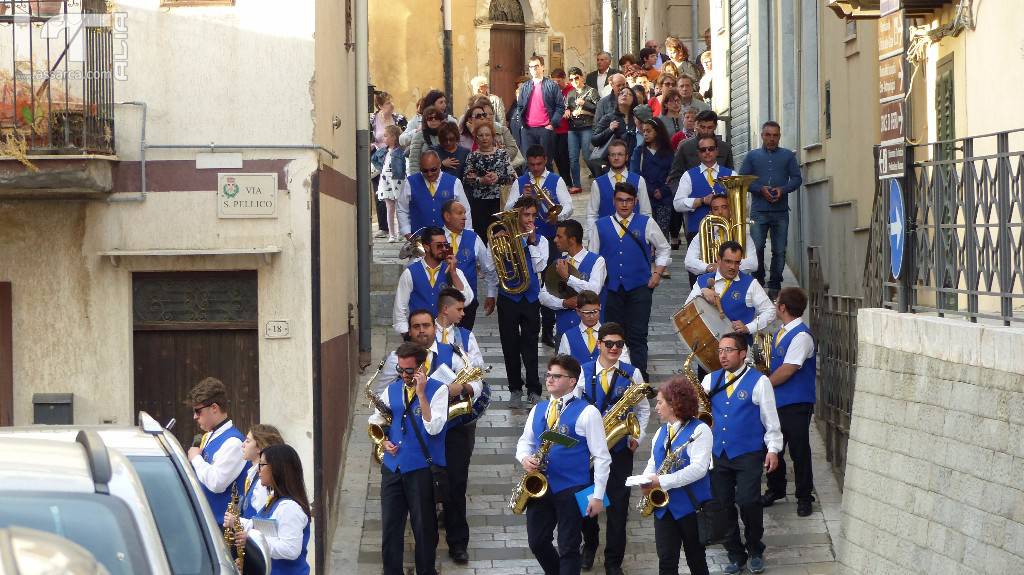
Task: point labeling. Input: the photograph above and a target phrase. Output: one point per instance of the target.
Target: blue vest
(465, 260)
(594, 393)
(551, 185)
(738, 427)
(799, 388)
(297, 566)
(219, 501)
(444, 355)
(245, 501)
(678, 502)
(629, 265)
(566, 319)
(734, 299)
(606, 187)
(567, 466)
(425, 210)
(578, 346)
(410, 456)
(532, 293)
(701, 188)
(424, 295)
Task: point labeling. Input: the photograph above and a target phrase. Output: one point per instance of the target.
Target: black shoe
(459, 556)
(588, 558)
(548, 340)
(772, 293)
(769, 498)
(803, 507)
(613, 570)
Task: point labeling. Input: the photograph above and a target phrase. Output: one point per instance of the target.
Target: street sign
(890, 35)
(246, 195)
(890, 79)
(897, 227)
(891, 161)
(891, 117)
(886, 7)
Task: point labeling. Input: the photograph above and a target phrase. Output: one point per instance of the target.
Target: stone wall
(935, 468)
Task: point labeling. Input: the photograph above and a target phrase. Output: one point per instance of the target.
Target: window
(851, 29)
(828, 110)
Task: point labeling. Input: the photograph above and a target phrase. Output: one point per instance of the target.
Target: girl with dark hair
(280, 470)
(618, 123)
(425, 138)
(434, 99)
(652, 159)
(675, 524)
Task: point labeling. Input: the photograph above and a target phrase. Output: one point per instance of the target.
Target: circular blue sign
(897, 227)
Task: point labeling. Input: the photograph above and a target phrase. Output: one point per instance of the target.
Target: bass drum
(701, 326)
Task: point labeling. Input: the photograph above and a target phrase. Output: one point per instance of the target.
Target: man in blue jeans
(778, 175)
(542, 106)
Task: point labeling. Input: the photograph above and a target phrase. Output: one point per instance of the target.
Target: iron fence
(57, 88)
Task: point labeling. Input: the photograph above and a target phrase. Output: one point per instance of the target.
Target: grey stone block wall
(935, 462)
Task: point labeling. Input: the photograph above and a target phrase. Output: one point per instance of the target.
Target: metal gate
(739, 79)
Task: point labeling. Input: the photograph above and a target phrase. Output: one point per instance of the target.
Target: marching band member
(793, 370)
(254, 497)
(602, 190)
(581, 343)
(519, 314)
(589, 266)
(719, 205)
(625, 241)
(423, 279)
(280, 471)
(422, 332)
(470, 253)
(742, 299)
(416, 441)
(451, 305)
(697, 184)
(217, 459)
(602, 385)
(568, 468)
(423, 194)
(537, 177)
(675, 524)
(746, 423)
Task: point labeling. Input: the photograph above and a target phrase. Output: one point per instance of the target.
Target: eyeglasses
(590, 311)
(480, 116)
(198, 410)
(722, 350)
(609, 344)
(708, 149)
(260, 466)
(407, 370)
(626, 200)
(534, 66)
(430, 170)
(555, 376)
(441, 245)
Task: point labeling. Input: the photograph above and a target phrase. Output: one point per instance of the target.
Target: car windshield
(100, 523)
(181, 528)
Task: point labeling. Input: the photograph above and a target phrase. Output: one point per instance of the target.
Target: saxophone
(532, 484)
(620, 421)
(463, 404)
(658, 497)
(703, 402)
(233, 528)
(378, 433)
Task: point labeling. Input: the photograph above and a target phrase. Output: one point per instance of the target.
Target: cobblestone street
(498, 542)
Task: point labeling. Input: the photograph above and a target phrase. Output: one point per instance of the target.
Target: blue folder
(583, 499)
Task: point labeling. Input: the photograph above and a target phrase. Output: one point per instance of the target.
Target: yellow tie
(778, 336)
(426, 364)
(410, 392)
(672, 431)
(618, 178)
(605, 384)
(732, 386)
(455, 243)
(727, 284)
(622, 228)
(591, 341)
(553, 413)
(710, 177)
(205, 440)
(432, 272)
(248, 482)
(432, 187)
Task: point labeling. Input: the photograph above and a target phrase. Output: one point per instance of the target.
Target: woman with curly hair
(675, 524)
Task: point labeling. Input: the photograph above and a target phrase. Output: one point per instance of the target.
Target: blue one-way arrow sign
(897, 225)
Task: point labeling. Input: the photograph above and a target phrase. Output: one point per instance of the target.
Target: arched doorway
(508, 47)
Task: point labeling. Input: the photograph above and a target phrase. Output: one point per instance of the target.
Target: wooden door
(508, 57)
(189, 326)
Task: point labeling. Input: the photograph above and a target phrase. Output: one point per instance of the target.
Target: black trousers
(483, 215)
(408, 495)
(458, 446)
(518, 322)
(469, 320)
(562, 157)
(382, 210)
(676, 224)
(795, 420)
(669, 535)
(542, 516)
(632, 309)
(616, 514)
(736, 483)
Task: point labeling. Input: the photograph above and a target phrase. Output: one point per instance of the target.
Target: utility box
(53, 408)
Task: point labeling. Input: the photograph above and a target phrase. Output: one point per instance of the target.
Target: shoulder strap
(718, 387)
(647, 255)
(419, 439)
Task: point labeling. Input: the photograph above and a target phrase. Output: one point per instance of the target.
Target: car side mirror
(257, 554)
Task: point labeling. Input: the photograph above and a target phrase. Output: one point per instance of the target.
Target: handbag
(713, 524)
(438, 474)
(597, 154)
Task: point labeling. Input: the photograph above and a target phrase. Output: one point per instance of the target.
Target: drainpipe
(446, 20)
(694, 29)
(362, 116)
(141, 196)
(616, 31)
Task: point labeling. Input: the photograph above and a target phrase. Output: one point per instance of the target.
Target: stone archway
(500, 20)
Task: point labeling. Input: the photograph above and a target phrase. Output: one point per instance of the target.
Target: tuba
(620, 422)
(761, 352)
(714, 230)
(378, 433)
(508, 252)
(703, 402)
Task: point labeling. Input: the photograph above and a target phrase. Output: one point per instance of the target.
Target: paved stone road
(498, 544)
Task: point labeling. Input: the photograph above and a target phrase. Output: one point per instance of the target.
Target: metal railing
(57, 88)
(834, 323)
(964, 251)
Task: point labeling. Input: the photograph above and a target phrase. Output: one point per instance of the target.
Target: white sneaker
(380, 234)
(392, 239)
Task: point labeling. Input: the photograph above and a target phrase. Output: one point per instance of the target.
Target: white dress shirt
(566, 349)
(763, 396)
(400, 312)
(698, 451)
(483, 259)
(561, 193)
(801, 347)
(227, 463)
(682, 201)
(642, 409)
(588, 425)
(291, 521)
(390, 371)
(655, 239)
(538, 255)
(405, 196)
(438, 402)
(697, 266)
(594, 283)
(594, 203)
(764, 311)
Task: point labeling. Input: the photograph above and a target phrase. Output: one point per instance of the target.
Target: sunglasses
(608, 344)
(198, 410)
(480, 116)
(407, 370)
(708, 149)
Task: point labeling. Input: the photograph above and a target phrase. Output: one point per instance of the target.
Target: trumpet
(503, 237)
(543, 196)
(658, 497)
(378, 433)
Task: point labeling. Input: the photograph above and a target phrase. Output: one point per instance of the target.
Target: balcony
(57, 73)
(869, 9)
